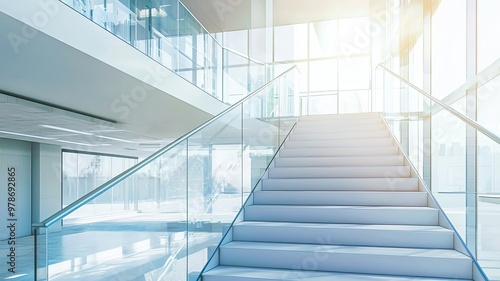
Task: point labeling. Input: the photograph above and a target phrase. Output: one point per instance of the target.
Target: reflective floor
(134, 246)
(119, 249)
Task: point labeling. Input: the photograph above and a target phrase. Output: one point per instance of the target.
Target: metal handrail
(119, 178)
(462, 117)
(243, 55)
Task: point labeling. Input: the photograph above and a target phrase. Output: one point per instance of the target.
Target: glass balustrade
(167, 32)
(458, 159)
(175, 204)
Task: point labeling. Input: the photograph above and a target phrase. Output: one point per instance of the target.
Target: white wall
(15, 154)
(38, 184)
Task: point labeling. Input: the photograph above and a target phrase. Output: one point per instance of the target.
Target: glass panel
(302, 73)
(448, 167)
(236, 40)
(41, 262)
(354, 101)
(214, 184)
(84, 172)
(144, 240)
(323, 104)
(323, 75)
(260, 133)
(354, 73)
(236, 77)
(258, 37)
(448, 48)
(290, 42)
(488, 99)
(488, 205)
(488, 28)
(288, 103)
(323, 39)
(354, 37)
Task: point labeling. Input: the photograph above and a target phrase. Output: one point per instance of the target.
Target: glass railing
(167, 32)
(457, 158)
(176, 203)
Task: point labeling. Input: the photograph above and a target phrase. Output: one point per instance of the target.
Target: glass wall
(333, 57)
(450, 49)
(84, 172)
(488, 30)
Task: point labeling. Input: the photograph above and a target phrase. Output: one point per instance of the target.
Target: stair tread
(383, 184)
(396, 227)
(345, 207)
(341, 249)
(254, 273)
(358, 198)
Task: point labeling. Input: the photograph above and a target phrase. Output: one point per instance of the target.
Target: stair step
(347, 184)
(311, 129)
(341, 198)
(339, 122)
(345, 116)
(372, 160)
(341, 135)
(343, 214)
(342, 119)
(235, 273)
(340, 172)
(368, 260)
(403, 236)
(338, 151)
(340, 142)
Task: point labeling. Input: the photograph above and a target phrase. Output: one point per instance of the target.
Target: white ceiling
(30, 121)
(224, 15)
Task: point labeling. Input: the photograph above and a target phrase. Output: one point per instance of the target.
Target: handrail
(243, 55)
(462, 117)
(117, 179)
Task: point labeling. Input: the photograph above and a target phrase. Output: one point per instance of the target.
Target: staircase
(340, 204)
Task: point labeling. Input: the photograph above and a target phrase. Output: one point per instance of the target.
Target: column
(46, 185)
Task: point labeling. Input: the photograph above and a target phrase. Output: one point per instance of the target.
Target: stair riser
(340, 117)
(404, 216)
(340, 161)
(321, 152)
(342, 135)
(340, 172)
(368, 184)
(340, 122)
(338, 129)
(342, 143)
(340, 198)
(342, 262)
(229, 273)
(342, 236)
